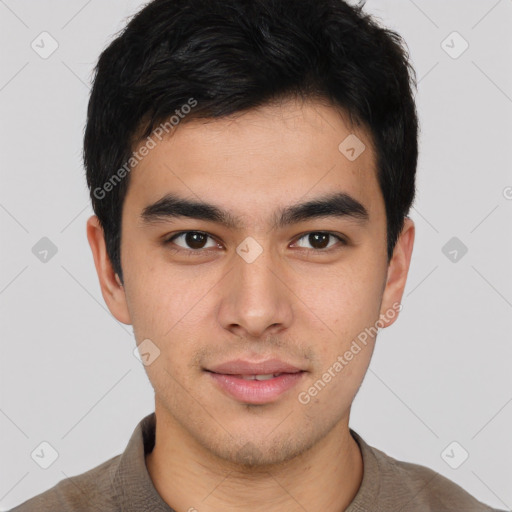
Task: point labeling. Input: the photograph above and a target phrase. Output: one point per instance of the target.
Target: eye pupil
(195, 240)
(323, 238)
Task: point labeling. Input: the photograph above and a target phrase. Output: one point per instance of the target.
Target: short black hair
(230, 56)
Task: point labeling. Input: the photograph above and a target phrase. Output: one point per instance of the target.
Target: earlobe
(111, 287)
(398, 270)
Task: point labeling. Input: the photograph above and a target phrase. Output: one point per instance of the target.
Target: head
(282, 129)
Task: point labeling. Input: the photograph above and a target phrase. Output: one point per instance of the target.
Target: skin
(294, 302)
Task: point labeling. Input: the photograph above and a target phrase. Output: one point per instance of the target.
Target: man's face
(263, 290)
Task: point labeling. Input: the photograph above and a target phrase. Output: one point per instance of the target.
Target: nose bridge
(255, 268)
(257, 297)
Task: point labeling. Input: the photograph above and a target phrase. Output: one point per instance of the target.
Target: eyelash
(196, 252)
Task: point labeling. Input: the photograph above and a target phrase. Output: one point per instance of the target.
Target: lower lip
(256, 391)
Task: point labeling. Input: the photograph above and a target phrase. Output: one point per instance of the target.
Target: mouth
(255, 383)
(267, 376)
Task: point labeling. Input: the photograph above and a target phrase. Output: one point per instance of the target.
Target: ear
(398, 269)
(111, 288)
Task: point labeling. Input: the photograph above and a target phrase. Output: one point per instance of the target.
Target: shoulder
(419, 488)
(90, 490)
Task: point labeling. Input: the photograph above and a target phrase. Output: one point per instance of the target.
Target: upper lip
(243, 367)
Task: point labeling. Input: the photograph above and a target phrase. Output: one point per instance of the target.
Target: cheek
(345, 299)
(162, 297)
(171, 308)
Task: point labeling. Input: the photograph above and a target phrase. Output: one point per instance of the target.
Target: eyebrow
(339, 205)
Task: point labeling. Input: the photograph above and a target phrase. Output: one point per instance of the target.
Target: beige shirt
(122, 483)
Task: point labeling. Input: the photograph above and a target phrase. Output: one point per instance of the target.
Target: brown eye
(320, 240)
(193, 240)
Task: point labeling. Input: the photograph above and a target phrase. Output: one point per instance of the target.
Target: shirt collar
(135, 491)
(366, 498)
(131, 481)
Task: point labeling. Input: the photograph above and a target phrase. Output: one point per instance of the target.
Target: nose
(256, 300)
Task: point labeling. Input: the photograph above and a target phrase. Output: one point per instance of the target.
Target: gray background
(440, 374)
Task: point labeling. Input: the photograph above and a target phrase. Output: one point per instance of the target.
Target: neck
(189, 477)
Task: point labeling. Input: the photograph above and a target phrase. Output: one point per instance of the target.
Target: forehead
(253, 162)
